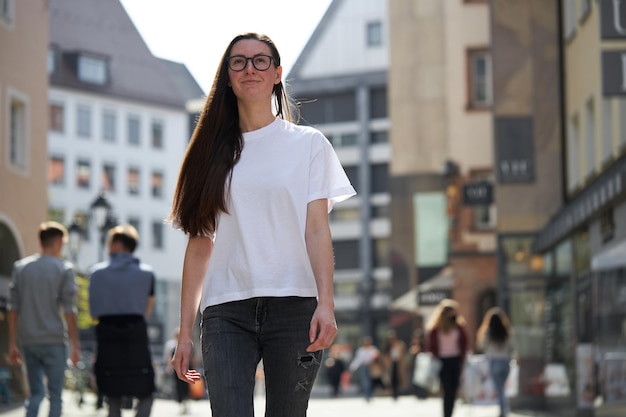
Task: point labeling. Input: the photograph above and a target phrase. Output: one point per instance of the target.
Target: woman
(253, 194)
(395, 358)
(495, 338)
(447, 340)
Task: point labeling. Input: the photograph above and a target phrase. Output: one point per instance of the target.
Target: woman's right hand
(181, 360)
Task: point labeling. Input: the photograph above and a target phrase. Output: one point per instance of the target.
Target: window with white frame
(607, 129)
(157, 184)
(157, 234)
(133, 130)
(109, 126)
(157, 134)
(590, 138)
(133, 181)
(573, 152)
(18, 134)
(108, 177)
(7, 12)
(479, 76)
(57, 117)
(374, 33)
(83, 173)
(83, 121)
(56, 170)
(92, 70)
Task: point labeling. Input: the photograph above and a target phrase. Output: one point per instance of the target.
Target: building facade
(340, 83)
(583, 245)
(118, 127)
(441, 169)
(23, 121)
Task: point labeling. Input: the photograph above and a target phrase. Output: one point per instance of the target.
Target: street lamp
(75, 236)
(101, 211)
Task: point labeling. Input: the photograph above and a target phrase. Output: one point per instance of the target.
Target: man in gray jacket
(41, 285)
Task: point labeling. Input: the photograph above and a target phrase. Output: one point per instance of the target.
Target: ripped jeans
(237, 335)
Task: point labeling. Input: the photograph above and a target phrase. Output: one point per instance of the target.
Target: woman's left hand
(323, 328)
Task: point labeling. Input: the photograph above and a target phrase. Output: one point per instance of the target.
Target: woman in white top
(495, 338)
(253, 194)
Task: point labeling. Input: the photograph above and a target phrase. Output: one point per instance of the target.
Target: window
(573, 162)
(157, 135)
(622, 123)
(379, 178)
(157, 184)
(56, 170)
(346, 254)
(344, 139)
(380, 255)
(57, 118)
(133, 130)
(379, 137)
(607, 129)
(109, 126)
(133, 181)
(479, 76)
(378, 103)
(342, 213)
(380, 212)
(7, 12)
(83, 120)
(52, 63)
(108, 177)
(136, 223)
(590, 138)
(157, 234)
(340, 107)
(92, 70)
(83, 173)
(353, 175)
(18, 130)
(374, 34)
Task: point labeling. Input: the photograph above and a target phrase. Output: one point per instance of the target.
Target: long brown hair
(216, 144)
(495, 325)
(437, 321)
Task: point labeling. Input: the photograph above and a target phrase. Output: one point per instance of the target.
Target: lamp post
(75, 236)
(101, 211)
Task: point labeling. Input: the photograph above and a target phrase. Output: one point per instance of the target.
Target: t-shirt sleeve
(68, 290)
(327, 178)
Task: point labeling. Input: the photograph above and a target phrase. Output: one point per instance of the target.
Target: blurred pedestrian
(364, 358)
(395, 363)
(335, 367)
(495, 339)
(182, 387)
(447, 341)
(42, 286)
(253, 195)
(121, 298)
(415, 348)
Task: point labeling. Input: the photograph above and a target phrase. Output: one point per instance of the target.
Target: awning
(434, 289)
(406, 302)
(610, 258)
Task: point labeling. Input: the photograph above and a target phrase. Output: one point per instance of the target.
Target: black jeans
(450, 375)
(237, 335)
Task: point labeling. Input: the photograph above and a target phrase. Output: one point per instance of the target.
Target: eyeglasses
(261, 62)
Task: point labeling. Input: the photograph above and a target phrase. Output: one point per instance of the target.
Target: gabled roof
(315, 36)
(103, 28)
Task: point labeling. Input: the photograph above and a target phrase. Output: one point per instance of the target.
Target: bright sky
(196, 32)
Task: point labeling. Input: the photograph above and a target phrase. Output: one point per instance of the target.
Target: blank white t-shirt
(259, 247)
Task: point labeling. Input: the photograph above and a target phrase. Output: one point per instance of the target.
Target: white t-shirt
(259, 248)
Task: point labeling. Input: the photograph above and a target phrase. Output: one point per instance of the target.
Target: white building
(117, 124)
(340, 79)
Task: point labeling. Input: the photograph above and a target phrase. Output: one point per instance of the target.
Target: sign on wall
(479, 193)
(515, 155)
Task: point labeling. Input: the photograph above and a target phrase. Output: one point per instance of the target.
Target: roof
(104, 29)
(187, 85)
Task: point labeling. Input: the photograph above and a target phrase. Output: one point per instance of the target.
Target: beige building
(441, 173)
(23, 130)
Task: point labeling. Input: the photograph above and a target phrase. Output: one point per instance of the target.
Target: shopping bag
(426, 371)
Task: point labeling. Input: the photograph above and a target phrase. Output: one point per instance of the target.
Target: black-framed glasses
(261, 62)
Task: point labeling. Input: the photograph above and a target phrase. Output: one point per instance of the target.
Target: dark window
(353, 175)
(157, 235)
(157, 134)
(379, 137)
(380, 178)
(346, 254)
(157, 184)
(374, 34)
(133, 181)
(378, 103)
(108, 177)
(83, 174)
(334, 108)
(380, 255)
(134, 136)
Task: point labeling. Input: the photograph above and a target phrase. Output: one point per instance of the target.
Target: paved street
(319, 407)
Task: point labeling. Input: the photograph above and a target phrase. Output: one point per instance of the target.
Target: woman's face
(251, 84)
